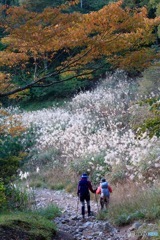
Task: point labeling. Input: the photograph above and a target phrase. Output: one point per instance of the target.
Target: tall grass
(130, 202)
(49, 212)
(55, 177)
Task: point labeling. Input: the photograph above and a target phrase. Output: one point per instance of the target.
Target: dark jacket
(84, 186)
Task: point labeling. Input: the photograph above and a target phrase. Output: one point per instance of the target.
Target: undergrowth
(132, 202)
(29, 225)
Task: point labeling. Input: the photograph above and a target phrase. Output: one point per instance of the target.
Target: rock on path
(71, 221)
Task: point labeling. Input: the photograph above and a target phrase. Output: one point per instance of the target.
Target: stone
(135, 226)
(87, 224)
(71, 220)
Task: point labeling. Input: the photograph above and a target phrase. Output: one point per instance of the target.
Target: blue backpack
(83, 188)
(104, 189)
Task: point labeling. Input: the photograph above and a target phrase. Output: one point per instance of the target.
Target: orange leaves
(120, 35)
(37, 34)
(16, 131)
(4, 81)
(52, 30)
(133, 61)
(11, 59)
(10, 124)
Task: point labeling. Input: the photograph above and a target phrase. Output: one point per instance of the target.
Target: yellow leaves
(20, 95)
(67, 74)
(84, 74)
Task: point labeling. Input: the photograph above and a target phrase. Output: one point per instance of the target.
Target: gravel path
(70, 223)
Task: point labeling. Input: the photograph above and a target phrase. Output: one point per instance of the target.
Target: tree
(156, 5)
(89, 5)
(9, 2)
(135, 3)
(39, 5)
(54, 46)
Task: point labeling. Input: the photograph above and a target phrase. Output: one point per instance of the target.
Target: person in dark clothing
(84, 186)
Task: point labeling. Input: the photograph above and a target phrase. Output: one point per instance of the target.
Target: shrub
(17, 197)
(14, 145)
(149, 83)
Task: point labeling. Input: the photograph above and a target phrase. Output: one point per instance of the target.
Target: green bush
(14, 151)
(15, 146)
(17, 197)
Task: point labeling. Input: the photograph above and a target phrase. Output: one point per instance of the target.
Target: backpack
(104, 189)
(83, 188)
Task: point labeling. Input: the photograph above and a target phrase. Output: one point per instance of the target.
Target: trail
(70, 223)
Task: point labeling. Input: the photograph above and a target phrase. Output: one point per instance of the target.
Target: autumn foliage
(35, 43)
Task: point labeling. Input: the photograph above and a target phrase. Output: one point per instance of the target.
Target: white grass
(94, 122)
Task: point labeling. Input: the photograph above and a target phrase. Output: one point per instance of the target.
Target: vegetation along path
(70, 224)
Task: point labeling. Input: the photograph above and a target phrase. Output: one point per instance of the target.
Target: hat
(103, 180)
(84, 175)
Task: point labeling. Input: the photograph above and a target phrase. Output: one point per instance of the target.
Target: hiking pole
(97, 202)
(77, 206)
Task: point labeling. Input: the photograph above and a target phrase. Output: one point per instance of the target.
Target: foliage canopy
(55, 46)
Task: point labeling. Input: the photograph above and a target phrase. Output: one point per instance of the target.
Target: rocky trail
(70, 223)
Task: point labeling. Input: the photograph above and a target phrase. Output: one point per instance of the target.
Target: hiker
(104, 190)
(84, 186)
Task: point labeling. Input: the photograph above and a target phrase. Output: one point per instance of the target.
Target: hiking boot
(83, 220)
(83, 212)
(89, 211)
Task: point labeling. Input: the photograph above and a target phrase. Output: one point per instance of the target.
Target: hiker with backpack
(84, 186)
(104, 190)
